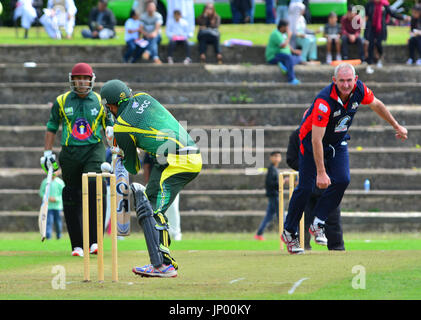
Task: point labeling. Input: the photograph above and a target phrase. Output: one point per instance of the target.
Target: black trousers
(375, 40)
(333, 225)
(345, 51)
(205, 40)
(173, 44)
(414, 45)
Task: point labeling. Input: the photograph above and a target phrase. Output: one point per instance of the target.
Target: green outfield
(218, 266)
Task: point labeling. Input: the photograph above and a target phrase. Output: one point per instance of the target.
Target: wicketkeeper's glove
(49, 159)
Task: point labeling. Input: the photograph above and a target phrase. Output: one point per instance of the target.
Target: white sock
(317, 221)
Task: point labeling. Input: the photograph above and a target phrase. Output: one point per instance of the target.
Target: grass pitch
(218, 267)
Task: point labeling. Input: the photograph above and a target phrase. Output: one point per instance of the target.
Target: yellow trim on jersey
(104, 125)
(141, 94)
(95, 123)
(61, 100)
(180, 163)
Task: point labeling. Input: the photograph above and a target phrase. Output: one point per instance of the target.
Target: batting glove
(109, 135)
(117, 151)
(49, 159)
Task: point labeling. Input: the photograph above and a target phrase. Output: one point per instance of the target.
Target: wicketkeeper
(142, 122)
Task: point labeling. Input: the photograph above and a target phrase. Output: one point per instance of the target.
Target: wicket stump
(100, 228)
(291, 185)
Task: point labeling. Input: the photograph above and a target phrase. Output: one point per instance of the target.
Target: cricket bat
(122, 195)
(43, 212)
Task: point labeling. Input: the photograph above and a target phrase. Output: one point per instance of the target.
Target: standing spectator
(178, 33)
(376, 30)
(278, 51)
(27, 14)
(101, 22)
(60, 14)
(131, 35)
(252, 10)
(281, 10)
(240, 10)
(332, 32)
(208, 23)
(304, 38)
(350, 34)
(150, 27)
(272, 193)
(270, 15)
(414, 42)
(186, 8)
(55, 204)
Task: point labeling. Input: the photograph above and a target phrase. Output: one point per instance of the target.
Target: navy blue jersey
(330, 112)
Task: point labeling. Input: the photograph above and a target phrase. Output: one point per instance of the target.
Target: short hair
(275, 153)
(350, 7)
(344, 65)
(332, 14)
(176, 11)
(282, 23)
(133, 12)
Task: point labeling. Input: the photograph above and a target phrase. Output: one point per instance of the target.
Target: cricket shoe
(93, 249)
(77, 252)
(318, 231)
(149, 271)
(292, 242)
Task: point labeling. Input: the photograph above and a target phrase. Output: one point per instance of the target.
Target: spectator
(139, 6)
(278, 51)
(332, 32)
(208, 23)
(241, 10)
(281, 10)
(178, 33)
(55, 204)
(270, 15)
(302, 37)
(272, 192)
(376, 30)
(186, 8)
(131, 36)
(414, 43)
(59, 14)
(350, 34)
(27, 14)
(252, 10)
(150, 27)
(101, 22)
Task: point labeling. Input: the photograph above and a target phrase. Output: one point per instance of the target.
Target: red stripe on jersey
(368, 96)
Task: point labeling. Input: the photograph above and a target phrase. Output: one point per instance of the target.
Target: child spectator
(332, 33)
(55, 204)
(178, 33)
(131, 35)
(272, 192)
(414, 43)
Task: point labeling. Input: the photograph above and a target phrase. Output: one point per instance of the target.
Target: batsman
(142, 122)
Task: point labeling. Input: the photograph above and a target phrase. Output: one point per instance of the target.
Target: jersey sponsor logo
(337, 113)
(342, 125)
(68, 111)
(142, 107)
(323, 108)
(81, 129)
(355, 105)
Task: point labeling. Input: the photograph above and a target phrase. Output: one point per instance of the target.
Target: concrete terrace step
(240, 221)
(214, 93)
(150, 73)
(222, 114)
(227, 200)
(393, 158)
(32, 136)
(235, 179)
(110, 54)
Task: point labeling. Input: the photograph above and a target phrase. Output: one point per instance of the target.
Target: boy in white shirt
(178, 33)
(131, 36)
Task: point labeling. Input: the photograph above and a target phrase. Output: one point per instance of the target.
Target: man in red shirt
(350, 33)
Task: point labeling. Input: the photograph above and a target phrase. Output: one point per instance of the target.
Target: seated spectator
(278, 51)
(332, 33)
(59, 14)
(150, 26)
(27, 14)
(301, 36)
(186, 8)
(101, 22)
(132, 37)
(350, 34)
(178, 33)
(208, 23)
(414, 42)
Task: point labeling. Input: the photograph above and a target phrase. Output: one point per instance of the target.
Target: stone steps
(214, 93)
(240, 221)
(227, 200)
(32, 136)
(235, 179)
(221, 114)
(392, 158)
(240, 73)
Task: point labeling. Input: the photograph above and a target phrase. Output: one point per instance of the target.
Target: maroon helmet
(82, 69)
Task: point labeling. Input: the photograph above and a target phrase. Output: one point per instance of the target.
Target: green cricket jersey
(142, 122)
(81, 118)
